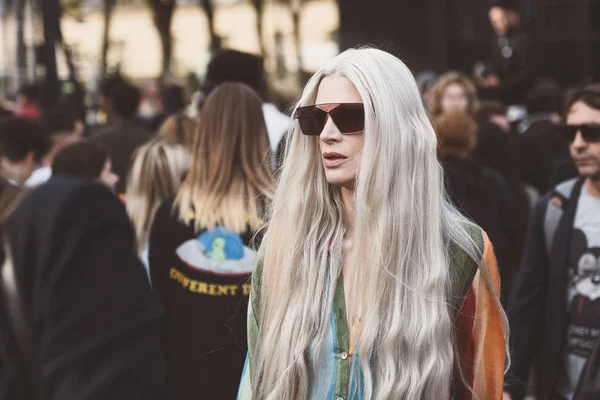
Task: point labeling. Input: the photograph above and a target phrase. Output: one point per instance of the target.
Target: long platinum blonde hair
(158, 170)
(402, 228)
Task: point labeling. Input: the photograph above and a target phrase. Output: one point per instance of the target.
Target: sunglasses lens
(569, 132)
(591, 133)
(349, 118)
(311, 120)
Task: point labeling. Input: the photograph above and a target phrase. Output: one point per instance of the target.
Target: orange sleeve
(487, 335)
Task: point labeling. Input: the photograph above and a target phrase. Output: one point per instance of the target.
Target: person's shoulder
(559, 194)
(65, 188)
(68, 196)
(166, 211)
(459, 256)
(463, 265)
(39, 176)
(566, 187)
(138, 128)
(102, 133)
(476, 233)
(131, 133)
(65, 208)
(167, 219)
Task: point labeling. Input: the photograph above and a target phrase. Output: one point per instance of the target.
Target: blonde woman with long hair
(370, 284)
(202, 247)
(158, 170)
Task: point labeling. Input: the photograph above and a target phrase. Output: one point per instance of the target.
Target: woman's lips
(331, 159)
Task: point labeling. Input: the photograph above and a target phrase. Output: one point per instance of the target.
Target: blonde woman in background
(453, 92)
(203, 247)
(370, 284)
(158, 169)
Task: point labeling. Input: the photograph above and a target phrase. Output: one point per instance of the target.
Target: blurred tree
(295, 7)
(108, 7)
(19, 15)
(73, 9)
(258, 8)
(163, 11)
(215, 41)
(51, 11)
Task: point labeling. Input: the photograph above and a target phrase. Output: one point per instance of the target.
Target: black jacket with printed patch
(203, 281)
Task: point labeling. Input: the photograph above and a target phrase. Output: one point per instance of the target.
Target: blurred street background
(59, 40)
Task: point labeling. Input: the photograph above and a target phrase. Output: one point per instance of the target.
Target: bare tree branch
(258, 8)
(162, 12)
(208, 7)
(108, 7)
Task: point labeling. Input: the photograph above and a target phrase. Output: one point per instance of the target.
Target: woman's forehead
(337, 89)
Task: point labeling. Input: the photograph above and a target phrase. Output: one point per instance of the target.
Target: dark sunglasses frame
(589, 132)
(348, 117)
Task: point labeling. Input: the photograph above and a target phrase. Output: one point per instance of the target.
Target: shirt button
(344, 356)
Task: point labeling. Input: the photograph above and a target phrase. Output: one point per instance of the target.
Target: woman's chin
(335, 178)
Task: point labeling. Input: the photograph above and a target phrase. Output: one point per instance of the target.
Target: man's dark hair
(489, 108)
(19, 136)
(173, 99)
(508, 5)
(590, 95)
(544, 97)
(127, 101)
(57, 121)
(237, 66)
(31, 92)
(80, 160)
(110, 85)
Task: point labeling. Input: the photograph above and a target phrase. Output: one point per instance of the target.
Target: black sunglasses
(348, 117)
(589, 132)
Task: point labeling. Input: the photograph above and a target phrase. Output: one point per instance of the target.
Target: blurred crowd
(180, 160)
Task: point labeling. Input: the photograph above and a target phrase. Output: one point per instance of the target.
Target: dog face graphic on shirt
(585, 280)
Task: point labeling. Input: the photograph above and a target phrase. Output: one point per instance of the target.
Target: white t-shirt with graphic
(583, 294)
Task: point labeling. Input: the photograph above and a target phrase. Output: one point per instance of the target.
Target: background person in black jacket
(94, 325)
(554, 312)
(479, 192)
(507, 73)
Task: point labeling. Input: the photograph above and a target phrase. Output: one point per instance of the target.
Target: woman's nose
(330, 131)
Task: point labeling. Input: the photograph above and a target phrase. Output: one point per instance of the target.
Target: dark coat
(537, 309)
(95, 324)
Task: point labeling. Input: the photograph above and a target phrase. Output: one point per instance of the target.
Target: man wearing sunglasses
(554, 310)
